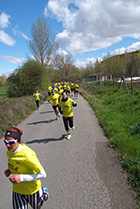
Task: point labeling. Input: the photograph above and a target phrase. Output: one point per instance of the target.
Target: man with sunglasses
(24, 172)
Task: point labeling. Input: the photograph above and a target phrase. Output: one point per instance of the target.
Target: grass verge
(3, 91)
(119, 114)
(14, 110)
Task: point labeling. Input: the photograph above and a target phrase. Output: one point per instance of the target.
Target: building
(98, 77)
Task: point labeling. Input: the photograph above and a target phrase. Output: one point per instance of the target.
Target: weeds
(118, 113)
(14, 110)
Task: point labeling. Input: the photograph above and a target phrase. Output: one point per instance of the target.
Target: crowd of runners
(24, 169)
(60, 97)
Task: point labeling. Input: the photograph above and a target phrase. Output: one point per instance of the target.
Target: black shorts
(54, 107)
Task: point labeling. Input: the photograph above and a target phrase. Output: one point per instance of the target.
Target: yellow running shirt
(49, 88)
(37, 96)
(25, 161)
(54, 99)
(60, 92)
(67, 107)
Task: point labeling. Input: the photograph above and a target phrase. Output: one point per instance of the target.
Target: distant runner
(65, 108)
(37, 98)
(53, 99)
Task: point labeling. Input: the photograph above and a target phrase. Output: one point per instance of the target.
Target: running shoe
(45, 193)
(73, 128)
(69, 136)
(38, 108)
(57, 117)
(59, 114)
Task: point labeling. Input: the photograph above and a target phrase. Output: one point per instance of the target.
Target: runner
(37, 98)
(72, 88)
(65, 87)
(68, 90)
(53, 99)
(24, 172)
(49, 88)
(65, 108)
(60, 91)
(76, 90)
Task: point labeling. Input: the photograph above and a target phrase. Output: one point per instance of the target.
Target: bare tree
(42, 44)
(63, 62)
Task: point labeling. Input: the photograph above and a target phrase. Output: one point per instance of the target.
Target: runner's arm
(33, 177)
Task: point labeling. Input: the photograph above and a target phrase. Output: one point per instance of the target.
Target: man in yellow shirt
(49, 88)
(68, 90)
(60, 91)
(76, 90)
(71, 88)
(37, 98)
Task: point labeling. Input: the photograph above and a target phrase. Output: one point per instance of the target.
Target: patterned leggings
(21, 201)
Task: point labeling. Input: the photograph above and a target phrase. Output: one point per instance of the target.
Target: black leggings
(37, 103)
(68, 121)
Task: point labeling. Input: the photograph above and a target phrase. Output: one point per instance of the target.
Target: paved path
(82, 173)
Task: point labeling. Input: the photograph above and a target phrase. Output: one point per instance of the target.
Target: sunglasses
(10, 142)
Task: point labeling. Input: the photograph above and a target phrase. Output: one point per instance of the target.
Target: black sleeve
(74, 105)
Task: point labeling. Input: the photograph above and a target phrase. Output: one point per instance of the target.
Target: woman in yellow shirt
(54, 100)
(24, 172)
(65, 108)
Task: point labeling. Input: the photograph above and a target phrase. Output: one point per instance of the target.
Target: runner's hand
(15, 178)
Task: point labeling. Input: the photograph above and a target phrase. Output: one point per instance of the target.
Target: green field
(3, 91)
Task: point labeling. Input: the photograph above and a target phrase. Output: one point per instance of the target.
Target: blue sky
(87, 29)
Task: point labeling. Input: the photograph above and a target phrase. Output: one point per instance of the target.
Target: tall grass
(14, 110)
(3, 91)
(119, 114)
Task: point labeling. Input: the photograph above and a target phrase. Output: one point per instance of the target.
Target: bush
(26, 79)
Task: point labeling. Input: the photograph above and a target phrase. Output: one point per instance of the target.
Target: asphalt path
(83, 172)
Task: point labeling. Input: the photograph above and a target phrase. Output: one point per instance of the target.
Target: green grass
(3, 91)
(119, 114)
(14, 110)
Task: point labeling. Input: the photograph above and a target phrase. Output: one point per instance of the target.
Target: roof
(95, 74)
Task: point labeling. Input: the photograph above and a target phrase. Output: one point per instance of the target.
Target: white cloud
(7, 73)
(4, 20)
(131, 48)
(92, 24)
(134, 47)
(6, 39)
(15, 31)
(14, 60)
(62, 52)
(82, 63)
